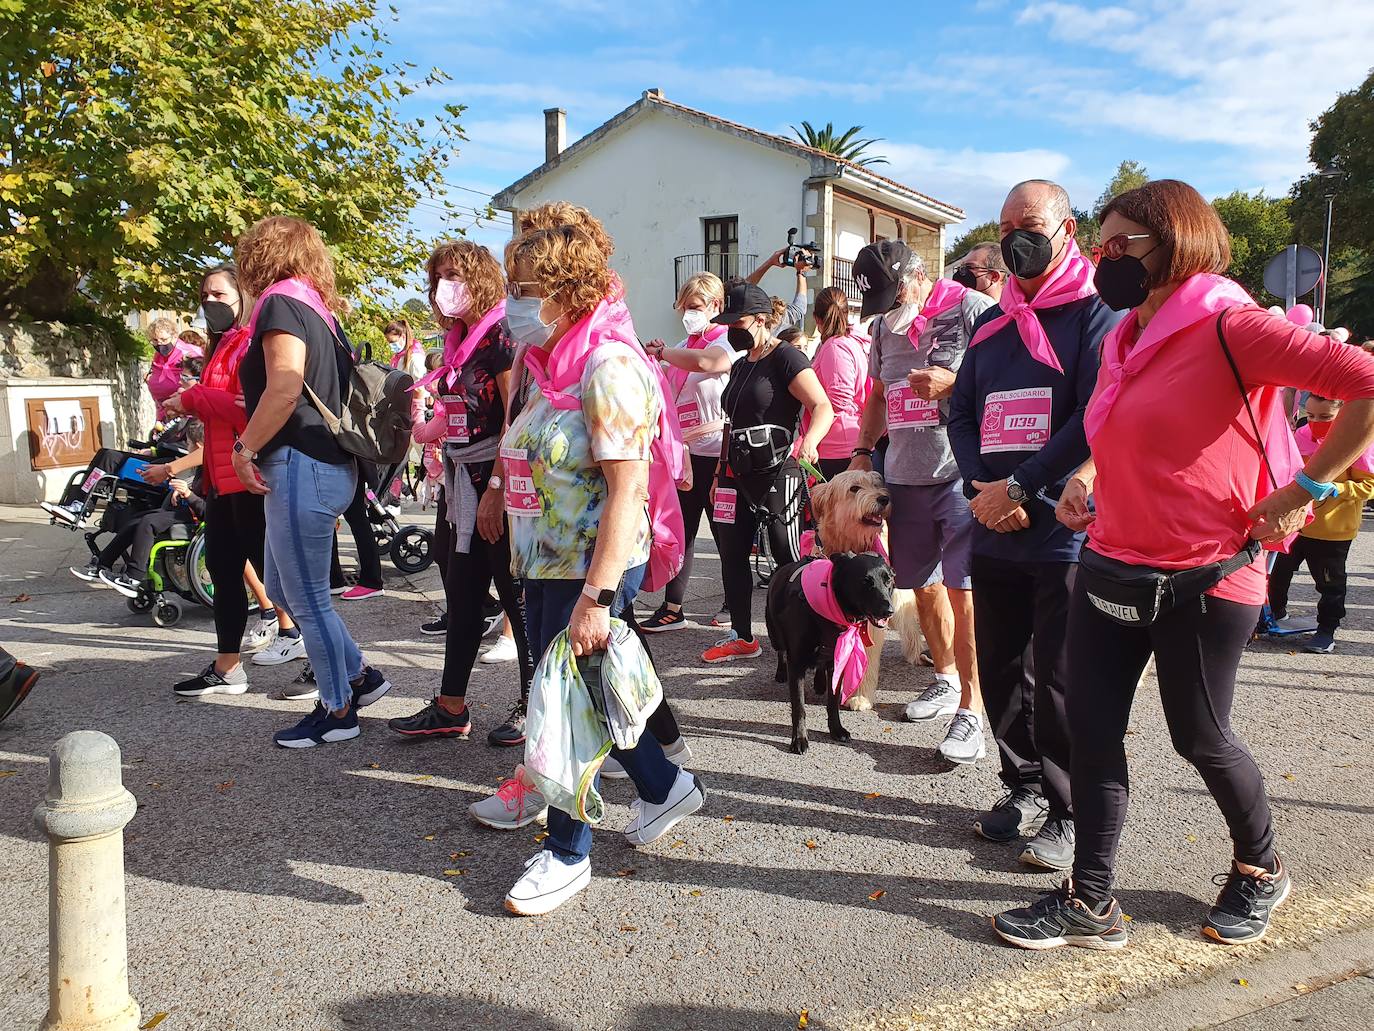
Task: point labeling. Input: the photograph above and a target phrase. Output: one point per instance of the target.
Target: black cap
(878, 272)
(743, 299)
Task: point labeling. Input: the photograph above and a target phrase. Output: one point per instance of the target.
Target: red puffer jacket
(214, 401)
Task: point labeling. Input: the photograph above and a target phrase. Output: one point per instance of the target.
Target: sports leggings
(694, 502)
(1197, 649)
(235, 532)
(780, 495)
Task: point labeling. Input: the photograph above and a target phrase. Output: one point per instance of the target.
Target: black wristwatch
(1016, 492)
(866, 451)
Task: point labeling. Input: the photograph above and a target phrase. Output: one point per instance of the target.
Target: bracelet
(866, 451)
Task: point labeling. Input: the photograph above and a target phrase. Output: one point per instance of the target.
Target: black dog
(805, 640)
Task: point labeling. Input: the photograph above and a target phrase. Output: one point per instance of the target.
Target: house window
(722, 246)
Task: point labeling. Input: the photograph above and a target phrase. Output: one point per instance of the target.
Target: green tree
(988, 232)
(1129, 175)
(420, 316)
(1260, 227)
(137, 141)
(844, 146)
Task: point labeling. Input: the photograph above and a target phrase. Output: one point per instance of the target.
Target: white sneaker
(650, 821)
(964, 741)
(502, 651)
(515, 804)
(939, 699)
(679, 753)
(262, 633)
(283, 649)
(547, 883)
(69, 514)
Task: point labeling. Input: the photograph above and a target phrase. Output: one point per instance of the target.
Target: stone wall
(40, 350)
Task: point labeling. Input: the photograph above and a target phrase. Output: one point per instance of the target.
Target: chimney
(654, 92)
(555, 132)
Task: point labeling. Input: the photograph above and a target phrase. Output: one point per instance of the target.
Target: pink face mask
(452, 298)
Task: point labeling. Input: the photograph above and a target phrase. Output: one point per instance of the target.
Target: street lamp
(1331, 176)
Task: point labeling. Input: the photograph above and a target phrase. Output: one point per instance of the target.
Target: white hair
(914, 269)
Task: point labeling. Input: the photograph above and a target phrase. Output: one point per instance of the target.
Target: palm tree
(845, 146)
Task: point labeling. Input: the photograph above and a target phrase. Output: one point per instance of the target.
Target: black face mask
(740, 338)
(1122, 283)
(219, 317)
(966, 277)
(1028, 254)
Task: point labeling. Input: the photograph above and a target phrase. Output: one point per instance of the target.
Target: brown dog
(850, 511)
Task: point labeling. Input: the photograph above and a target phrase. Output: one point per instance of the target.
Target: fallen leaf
(1289, 776)
(1191, 839)
(627, 872)
(887, 730)
(875, 896)
(428, 837)
(8, 773)
(727, 819)
(1242, 982)
(1126, 917)
(803, 1019)
(1302, 988)
(540, 836)
(21, 597)
(374, 766)
(695, 893)
(811, 844)
(423, 776)
(628, 927)
(454, 873)
(225, 786)
(873, 794)
(459, 855)
(153, 1021)
(677, 844)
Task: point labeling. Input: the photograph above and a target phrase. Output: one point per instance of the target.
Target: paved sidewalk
(317, 890)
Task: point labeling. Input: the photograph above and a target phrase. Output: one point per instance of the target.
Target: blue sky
(969, 97)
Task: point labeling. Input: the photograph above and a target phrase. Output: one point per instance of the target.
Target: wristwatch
(1016, 492)
(600, 596)
(495, 483)
(1319, 491)
(239, 449)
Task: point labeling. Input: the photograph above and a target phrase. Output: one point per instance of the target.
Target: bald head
(1040, 210)
(1051, 199)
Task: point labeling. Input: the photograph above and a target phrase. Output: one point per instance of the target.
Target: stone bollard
(84, 815)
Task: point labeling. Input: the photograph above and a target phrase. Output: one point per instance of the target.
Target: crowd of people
(1051, 556)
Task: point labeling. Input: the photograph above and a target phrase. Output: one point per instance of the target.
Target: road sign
(1292, 272)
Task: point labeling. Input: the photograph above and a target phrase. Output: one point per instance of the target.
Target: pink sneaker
(359, 592)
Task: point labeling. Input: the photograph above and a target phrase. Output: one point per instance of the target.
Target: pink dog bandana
(851, 660)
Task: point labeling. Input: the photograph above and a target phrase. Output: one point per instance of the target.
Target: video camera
(810, 251)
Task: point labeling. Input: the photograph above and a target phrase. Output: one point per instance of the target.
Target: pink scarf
(401, 359)
(1308, 444)
(944, 296)
(677, 377)
(1071, 280)
(297, 290)
(851, 660)
(459, 346)
(164, 379)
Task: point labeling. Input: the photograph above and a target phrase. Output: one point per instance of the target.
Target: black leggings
(467, 581)
(780, 495)
(1197, 649)
(694, 502)
(1326, 562)
(369, 557)
(235, 530)
(138, 538)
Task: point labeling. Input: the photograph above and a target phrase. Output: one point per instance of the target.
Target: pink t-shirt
(841, 364)
(1177, 462)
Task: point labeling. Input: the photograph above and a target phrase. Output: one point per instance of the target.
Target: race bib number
(906, 411)
(521, 499)
(1017, 420)
(457, 412)
(725, 506)
(92, 478)
(688, 415)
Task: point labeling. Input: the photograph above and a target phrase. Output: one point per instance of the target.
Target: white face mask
(695, 322)
(397, 346)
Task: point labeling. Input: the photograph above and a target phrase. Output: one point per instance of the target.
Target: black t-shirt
(758, 394)
(326, 368)
(476, 384)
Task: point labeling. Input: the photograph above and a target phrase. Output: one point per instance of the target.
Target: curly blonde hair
(476, 266)
(567, 261)
(281, 247)
(564, 213)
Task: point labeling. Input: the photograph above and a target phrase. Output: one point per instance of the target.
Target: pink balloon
(1300, 314)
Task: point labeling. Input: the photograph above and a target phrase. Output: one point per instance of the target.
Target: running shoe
(1022, 810)
(721, 618)
(90, 573)
(433, 721)
(664, 619)
(1245, 904)
(301, 689)
(70, 514)
(121, 582)
(727, 649)
(1052, 848)
(502, 651)
(511, 732)
(368, 686)
(1061, 918)
(360, 593)
(211, 681)
(1323, 643)
(320, 727)
(939, 699)
(435, 627)
(15, 688)
(284, 649)
(513, 805)
(263, 632)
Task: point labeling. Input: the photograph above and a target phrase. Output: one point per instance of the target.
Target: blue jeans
(548, 607)
(307, 498)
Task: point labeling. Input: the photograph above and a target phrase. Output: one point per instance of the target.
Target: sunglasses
(515, 291)
(1114, 248)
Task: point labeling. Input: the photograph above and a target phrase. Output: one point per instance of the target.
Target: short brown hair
(193, 338)
(281, 247)
(1190, 233)
(162, 325)
(567, 260)
(832, 312)
(476, 266)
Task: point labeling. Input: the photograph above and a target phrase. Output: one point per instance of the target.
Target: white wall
(851, 229)
(653, 181)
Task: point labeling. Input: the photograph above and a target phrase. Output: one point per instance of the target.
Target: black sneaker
(1061, 918)
(211, 681)
(1323, 643)
(302, 689)
(1245, 904)
(435, 627)
(15, 688)
(1022, 810)
(121, 582)
(433, 721)
(511, 732)
(1052, 848)
(370, 686)
(664, 619)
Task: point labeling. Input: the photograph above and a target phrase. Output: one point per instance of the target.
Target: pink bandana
(1308, 444)
(298, 290)
(1072, 280)
(164, 378)
(677, 377)
(459, 346)
(401, 358)
(944, 296)
(851, 660)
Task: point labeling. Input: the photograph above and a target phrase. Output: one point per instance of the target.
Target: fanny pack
(1136, 596)
(757, 449)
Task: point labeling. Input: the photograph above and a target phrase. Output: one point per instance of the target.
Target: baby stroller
(410, 547)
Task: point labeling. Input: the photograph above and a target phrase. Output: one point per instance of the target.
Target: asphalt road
(307, 890)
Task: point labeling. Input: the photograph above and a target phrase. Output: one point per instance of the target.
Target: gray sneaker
(302, 689)
(513, 805)
(939, 699)
(1052, 848)
(1021, 810)
(964, 742)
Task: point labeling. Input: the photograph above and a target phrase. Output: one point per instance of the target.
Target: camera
(810, 252)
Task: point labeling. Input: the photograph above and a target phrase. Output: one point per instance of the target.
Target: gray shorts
(930, 535)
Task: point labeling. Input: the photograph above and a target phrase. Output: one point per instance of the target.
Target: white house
(680, 190)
